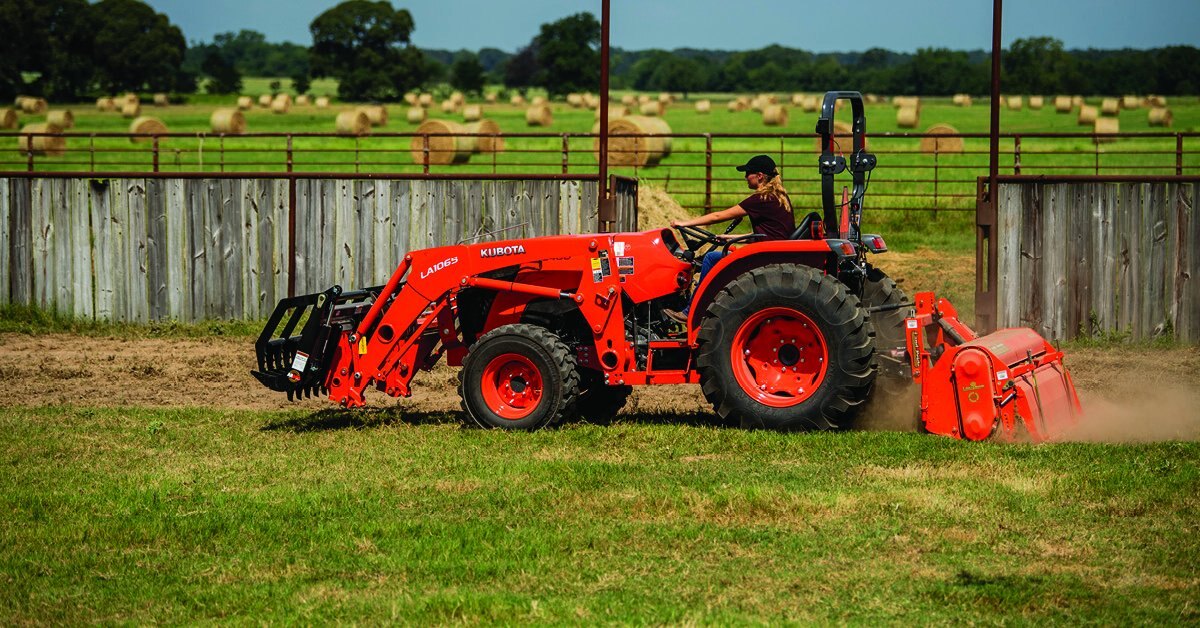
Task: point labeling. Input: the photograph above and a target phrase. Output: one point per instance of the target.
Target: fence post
(357, 147)
(155, 153)
(92, 151)
(935, 178)
(1097, 149)
(1179, 154)
(1017, 155)
(29, 154)
(707, 172)
(222, 147)
(289, 152)
(566, 153)
(425, 141)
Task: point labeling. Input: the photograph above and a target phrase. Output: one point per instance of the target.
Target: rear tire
(798, 320)
(518, 377)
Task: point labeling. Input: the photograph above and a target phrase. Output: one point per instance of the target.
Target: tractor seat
(810, 228)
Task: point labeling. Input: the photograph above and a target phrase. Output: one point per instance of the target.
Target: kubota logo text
(438, 266)
(496, 251)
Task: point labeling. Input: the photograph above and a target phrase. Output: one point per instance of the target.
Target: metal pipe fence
(918, 171)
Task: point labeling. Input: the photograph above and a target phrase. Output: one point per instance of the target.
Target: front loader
(784, 334)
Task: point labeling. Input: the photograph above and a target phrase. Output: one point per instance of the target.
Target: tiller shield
(1010, 385)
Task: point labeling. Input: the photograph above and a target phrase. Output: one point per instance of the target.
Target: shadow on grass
(692, 419)
(358, 419)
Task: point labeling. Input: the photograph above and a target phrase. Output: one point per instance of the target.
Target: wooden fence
(152, 247)
(1078, 257)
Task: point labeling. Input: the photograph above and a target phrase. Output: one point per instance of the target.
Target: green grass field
(168, 516)
(904, 180)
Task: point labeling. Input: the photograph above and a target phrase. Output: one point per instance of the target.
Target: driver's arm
(707, 219)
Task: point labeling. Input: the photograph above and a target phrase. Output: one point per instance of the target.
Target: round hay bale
(1036, 102)
(145, 125)
(591, 101)
(411, 98)
(775, 115)
(628, 99)
(485, 143)
(539, 115)
(449, 106)
(957, 99)
(443, 149)
(907, 102)
(941, 144)
(35, 106)
(281, 105)
(425, 100)
(458, 98)
(1160, 116)
(703, 106)
(8, 118)
(538, 100)
(797, 99)
(874, 99)
(1062, 104)
(517, 100)
(614, 111)
(1156, 101)
(666, 98)
(651, 108)
(811, 104)
(1110, 106)
(643, 99)
(161, 100)
(131, 97)
(1106, 127)
(908, 117)
(1087, 115)
(245, 102)
(353, 122)
(43, 145)
(1076, 101)
(61, 118)
(1015, 103)
(106, 104)
(377, 114)
(415, 115)
(265, 100)
(628, 147)
(303, 100)
(758, 103)
(472, 113)
(131, 110)
(843, 138)
(322, 102)
(1130, 102)
(228, 121)
(735, 105)
(490, 97)
(575, 100)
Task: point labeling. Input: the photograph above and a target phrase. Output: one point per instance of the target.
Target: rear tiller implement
(783, 334)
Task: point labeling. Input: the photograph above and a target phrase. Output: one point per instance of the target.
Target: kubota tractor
(786, 334)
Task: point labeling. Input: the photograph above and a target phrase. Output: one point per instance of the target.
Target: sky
(847, 25)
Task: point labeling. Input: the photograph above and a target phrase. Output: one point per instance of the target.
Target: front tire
(518, 377)
(786, 347)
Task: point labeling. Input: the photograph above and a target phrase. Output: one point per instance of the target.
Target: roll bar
(861, 162)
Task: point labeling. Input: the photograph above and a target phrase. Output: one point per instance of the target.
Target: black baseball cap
(762, 164)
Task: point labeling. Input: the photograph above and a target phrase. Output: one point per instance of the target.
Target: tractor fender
(814, 253)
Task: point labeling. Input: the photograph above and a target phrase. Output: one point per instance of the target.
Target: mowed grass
(167, 516)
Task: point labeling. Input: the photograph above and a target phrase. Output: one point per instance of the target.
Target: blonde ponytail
(773, 189)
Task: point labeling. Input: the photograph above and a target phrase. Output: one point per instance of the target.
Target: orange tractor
(785, 334)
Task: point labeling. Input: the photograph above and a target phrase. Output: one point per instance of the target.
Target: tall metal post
(986, 208)
(607, 212)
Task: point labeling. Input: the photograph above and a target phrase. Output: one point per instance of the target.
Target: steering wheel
(695, 237)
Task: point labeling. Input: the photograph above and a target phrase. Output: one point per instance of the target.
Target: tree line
(71, 49)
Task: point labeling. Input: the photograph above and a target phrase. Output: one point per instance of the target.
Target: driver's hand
(676, 223)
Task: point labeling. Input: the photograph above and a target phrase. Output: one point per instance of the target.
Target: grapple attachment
(1010, 384)
(295, 348)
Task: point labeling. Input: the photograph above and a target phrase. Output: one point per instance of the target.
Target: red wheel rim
(511, 386)
(779, 357)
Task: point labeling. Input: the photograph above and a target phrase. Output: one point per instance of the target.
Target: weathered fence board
(1099, 257)
(153, 248)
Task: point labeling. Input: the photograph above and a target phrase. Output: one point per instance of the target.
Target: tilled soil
(1131, 394)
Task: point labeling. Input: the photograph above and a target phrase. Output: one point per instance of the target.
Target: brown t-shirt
(769, 217)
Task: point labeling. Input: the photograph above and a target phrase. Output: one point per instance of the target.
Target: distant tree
(275, 86)
(522, 69)
(1176, 70)
(467, 73)
(301, 83)
(567, 51)
(51, 39)
(938, 72)
(223, 77)
(366, 46)
(1036, 65)
(135, 47)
